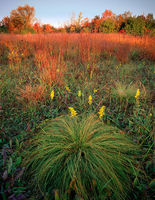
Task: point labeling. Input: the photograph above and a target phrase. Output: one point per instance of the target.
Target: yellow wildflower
(117, 66)
(79, 93)
(90, 100)
(150, 114)
(73, 112)
(95, 90)
(101, 112)
(137, 93)
(91, 74)
(52, 94)
(67, 88)
(58, 70)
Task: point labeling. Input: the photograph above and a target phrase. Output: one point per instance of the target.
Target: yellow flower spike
(67, 88)
(101, 112)
(52, 94)
(79, 93)
(117, 66)
(90, 100)
(150, 114)
(137, 93)
(91, 74)
(73, 112)
(95, 90)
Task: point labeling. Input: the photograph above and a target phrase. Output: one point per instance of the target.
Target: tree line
(22, 20)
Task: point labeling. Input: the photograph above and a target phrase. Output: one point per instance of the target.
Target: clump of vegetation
(81, 155)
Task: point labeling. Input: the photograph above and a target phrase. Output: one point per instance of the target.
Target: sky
(59, 12)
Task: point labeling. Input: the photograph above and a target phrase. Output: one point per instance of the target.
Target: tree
(47, 28)
(107, 14)
(126, 14)
(135, 25)
(150, 22)
(107, 26)
(7, 25)
(23, 17)
(37, 27)
(3, 28)
(95, 23)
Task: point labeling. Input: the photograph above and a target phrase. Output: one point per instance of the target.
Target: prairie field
(76, 116)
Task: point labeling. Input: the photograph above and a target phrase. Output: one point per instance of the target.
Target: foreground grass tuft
(80, 156)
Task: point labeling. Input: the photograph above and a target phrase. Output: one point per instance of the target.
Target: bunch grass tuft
(81, 156)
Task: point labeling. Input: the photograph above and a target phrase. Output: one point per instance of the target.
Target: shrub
(81, 156)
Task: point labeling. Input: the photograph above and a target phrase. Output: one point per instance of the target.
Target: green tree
(107, 26)
(135, 25)
(150, 22)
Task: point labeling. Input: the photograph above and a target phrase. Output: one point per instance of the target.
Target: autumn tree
(95, 22)
(37, 27)
(47, 28)
(7, 25)
(107, 14)
(23, 17)
(78, 22)
(75, 24)
(86, 25)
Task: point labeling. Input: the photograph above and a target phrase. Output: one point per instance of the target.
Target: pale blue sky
(56, 12)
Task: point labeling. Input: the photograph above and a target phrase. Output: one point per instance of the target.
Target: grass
(108, 67)
(81, 155)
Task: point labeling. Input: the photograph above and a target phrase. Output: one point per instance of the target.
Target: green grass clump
(122, 90)
(80, 156)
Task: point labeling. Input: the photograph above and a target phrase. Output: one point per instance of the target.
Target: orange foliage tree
(23, 17)
(37, 27)
(107, 14)
(47, 28)
(8, 24)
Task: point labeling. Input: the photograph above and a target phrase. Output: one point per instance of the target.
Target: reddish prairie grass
(49, 53)
(32, 94)
(51, 68)
(85, 47)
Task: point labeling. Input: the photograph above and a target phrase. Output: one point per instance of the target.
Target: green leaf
(18, 161)
(10, 165)
(152, 184)
(57, 196)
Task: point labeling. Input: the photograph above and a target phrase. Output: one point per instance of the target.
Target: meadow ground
(45, 76)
